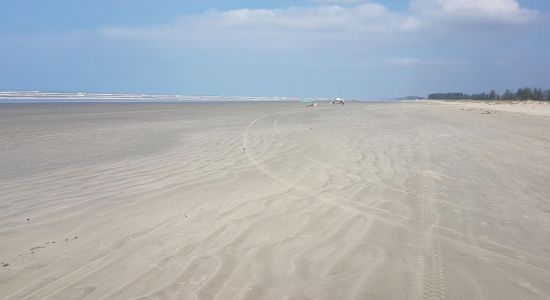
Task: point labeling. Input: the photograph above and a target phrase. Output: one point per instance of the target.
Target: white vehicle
(338, 101)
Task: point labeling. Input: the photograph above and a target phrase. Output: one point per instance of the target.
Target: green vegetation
(521, 94)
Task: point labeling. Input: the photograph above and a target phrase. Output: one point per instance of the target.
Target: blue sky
(326, 48)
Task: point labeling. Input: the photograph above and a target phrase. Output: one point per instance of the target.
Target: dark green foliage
(521, 94)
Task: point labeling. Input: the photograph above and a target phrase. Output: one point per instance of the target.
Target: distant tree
(538, 94)
(493, 95)
(525, 93)
(448, 96)
(530, 94)
(521, 94)
(509, 95)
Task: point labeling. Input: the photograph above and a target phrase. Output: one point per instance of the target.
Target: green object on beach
(309, 102)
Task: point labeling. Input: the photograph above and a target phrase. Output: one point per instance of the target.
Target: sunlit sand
(273, 201)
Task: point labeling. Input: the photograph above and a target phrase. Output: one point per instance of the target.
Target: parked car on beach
(338, 101)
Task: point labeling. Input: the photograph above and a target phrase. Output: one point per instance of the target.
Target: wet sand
(273, 201)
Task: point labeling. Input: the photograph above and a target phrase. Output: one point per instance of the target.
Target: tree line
(520, 94)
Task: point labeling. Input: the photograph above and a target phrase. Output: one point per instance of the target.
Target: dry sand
(273, 201)
(537, 108)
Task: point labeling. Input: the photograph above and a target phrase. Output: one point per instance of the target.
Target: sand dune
(273, 201)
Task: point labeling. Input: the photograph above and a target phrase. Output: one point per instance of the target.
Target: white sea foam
(79, 96)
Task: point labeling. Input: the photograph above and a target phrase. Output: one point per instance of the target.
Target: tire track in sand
(431, 254)
(369, 212)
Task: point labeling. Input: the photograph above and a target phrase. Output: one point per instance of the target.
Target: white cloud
(367, 24)
(467, 11)
(290, 27)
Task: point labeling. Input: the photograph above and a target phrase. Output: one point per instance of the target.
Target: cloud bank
(297, 26)
(328, 25)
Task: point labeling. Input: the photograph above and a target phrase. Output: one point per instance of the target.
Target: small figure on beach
(310, 103)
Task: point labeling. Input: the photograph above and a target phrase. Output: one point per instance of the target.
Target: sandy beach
(536, 108)
(273, 201)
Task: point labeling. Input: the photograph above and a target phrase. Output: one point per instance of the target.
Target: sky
(311, 48)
